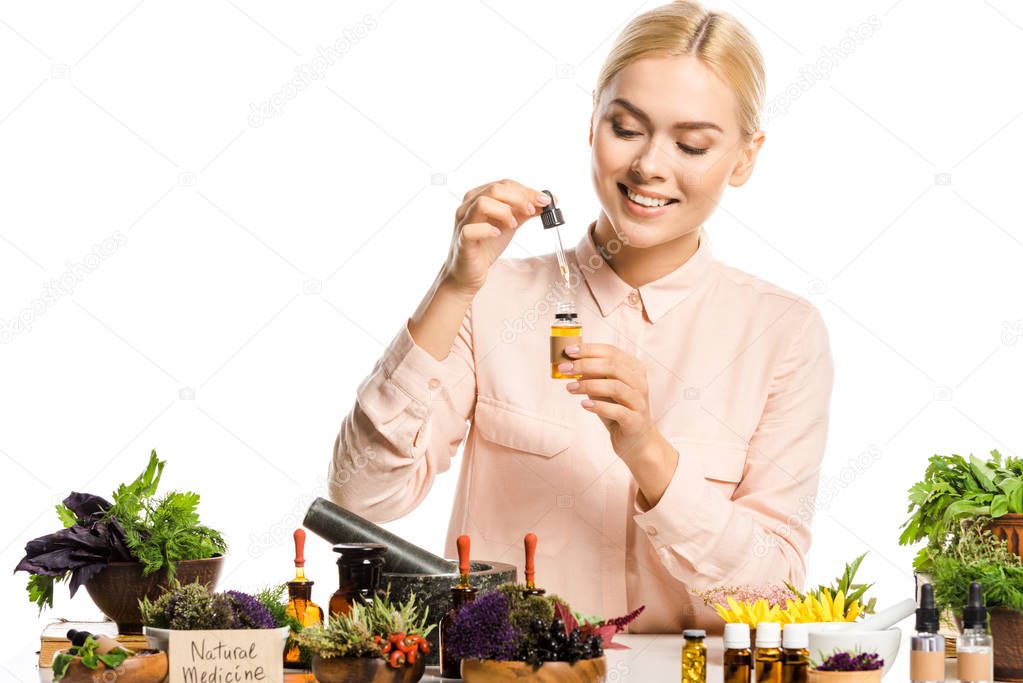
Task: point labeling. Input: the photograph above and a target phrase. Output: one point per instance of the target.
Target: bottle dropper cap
(736, 636)
(768, 634)
(551, 215)
(795, 637)
(974, 614)
(927, 613)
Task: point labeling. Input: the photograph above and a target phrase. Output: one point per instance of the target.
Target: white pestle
(884, 619)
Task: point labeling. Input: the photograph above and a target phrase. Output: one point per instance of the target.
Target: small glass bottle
(927, 646)
(359, 568)
(301, 607)
(795, 653)
(767, 655)
(974, 648)
(565, 331)
(694, 656)
(451, 667)
(736, 664)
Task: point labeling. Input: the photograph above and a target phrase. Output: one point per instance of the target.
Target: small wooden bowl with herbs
(85, 663)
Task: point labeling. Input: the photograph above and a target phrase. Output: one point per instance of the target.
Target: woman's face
(668, 128)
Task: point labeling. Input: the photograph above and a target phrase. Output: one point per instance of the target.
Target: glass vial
(736, 664)
(927, 646)
(694, 656)
(565, 331)
(795, 653)
(767, 656)
(974, 648)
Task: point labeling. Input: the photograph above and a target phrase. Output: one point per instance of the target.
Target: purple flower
(482, 630)
(848, 661)
(249, 612)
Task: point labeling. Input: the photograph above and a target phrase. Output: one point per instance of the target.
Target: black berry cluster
(547, 642)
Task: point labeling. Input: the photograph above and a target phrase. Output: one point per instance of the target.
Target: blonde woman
(686, 456)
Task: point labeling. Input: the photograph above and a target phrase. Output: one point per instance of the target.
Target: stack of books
(54, 637)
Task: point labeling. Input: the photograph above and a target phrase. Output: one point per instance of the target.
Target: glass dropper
(552, 218)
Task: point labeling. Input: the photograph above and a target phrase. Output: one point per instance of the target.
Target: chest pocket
(521, 429)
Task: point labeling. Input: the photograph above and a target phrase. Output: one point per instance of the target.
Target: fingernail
(543, 198)
(573, 349)
(565, 367)
(572, 386)
(587, 403)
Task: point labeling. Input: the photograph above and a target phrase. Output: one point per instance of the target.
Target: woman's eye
(622, 132)
(692, 150)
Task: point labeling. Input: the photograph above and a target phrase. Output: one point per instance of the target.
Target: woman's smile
(643, 205)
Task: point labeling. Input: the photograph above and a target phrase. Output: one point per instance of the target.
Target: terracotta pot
(146, 666)
(117, 589)
(489, 671)
(844, 676)
(365, 670)
(1009, 528)
(1007, 633)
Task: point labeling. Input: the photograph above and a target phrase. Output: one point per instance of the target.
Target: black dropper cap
(551, 215)
(974, 614)
(927, 613)
(77, 638)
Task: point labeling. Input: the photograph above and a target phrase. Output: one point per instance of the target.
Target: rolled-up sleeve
(762, 533)
(409, 418)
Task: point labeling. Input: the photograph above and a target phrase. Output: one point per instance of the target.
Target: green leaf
(982, 471)
(61, 662)
(114, 658)
(67, 518)
(999, 506)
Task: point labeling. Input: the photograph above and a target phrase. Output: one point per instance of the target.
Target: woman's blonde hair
(718, 39)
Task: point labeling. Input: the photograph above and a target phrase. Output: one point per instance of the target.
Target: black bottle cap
(927, 613)
(551, 215)
(77, 638)
(974, 614)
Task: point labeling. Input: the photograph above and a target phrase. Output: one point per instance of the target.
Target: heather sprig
(482, 630)
(842, 660)
(250, 612)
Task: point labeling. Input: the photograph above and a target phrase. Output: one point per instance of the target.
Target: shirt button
(434, 383)
(633, 298)
(652, 530)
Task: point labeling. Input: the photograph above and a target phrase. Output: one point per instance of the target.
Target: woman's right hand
(484, 225)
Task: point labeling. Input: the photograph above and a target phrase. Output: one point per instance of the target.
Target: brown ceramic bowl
(145, 666)
(488, 671)
(365, 670)
(117, 589)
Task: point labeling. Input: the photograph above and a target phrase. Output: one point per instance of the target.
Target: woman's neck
(637, 266)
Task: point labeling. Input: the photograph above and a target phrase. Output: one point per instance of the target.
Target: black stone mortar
(434, 591)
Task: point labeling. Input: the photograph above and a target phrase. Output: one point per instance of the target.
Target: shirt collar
(659, 296)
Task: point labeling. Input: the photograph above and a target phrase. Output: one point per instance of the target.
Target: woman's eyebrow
(686, 125)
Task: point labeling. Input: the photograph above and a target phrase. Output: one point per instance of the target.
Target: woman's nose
(653, 163)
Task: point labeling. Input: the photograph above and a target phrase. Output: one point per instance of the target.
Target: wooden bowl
(365, 670)
(489, 671)
(814, 676)
(145, 666)
(118, 588)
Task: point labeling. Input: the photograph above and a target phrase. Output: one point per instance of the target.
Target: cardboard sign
(230, 656)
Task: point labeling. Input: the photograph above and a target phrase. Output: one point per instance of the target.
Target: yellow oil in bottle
(694, 656)
(565, 331)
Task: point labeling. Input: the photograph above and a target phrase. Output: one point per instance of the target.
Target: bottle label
(558, 346)
(926, 666)
(975, 666)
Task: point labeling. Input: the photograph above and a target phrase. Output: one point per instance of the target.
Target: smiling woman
(685, 452)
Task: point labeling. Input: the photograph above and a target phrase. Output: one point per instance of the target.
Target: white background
(263, 267)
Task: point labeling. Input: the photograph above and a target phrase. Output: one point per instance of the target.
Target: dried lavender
(848, 661)
(482, 630)
(250, 612)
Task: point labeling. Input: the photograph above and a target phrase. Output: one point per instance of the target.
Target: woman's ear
(747, 158)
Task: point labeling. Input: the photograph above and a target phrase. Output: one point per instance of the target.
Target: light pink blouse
(740, 375)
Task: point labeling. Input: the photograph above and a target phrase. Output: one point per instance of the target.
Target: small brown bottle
(795, 654)
(737, 657)
(300, 602)
(359, 568)
(451, 667)
(768, 653)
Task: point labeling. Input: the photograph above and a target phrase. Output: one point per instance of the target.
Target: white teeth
(645, 201)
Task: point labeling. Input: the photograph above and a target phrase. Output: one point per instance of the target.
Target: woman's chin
(639, 234)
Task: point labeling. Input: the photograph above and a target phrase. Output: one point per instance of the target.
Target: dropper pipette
(552, 218)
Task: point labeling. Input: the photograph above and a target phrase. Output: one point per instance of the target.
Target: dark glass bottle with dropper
(927, 646)
(462, 593)
(974, 651)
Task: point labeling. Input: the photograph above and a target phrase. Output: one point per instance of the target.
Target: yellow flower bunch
(809, 609)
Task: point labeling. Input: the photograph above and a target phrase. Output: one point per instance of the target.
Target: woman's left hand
(616, 388)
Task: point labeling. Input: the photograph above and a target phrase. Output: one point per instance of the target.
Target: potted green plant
(125, 550)
(380, 642)
(512, 634)
(956, 488)
(843, 666)
(973, 553)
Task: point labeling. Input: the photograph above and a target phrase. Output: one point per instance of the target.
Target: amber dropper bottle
(300, 601)
(566, 330)
(462, 593)
(768, 653)
(530, 544)
(795, 654)
(737, 657)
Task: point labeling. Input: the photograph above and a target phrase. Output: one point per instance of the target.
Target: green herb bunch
(973, 553)
(162, 530)
(188, 608)
(954, 487)
(352, 634)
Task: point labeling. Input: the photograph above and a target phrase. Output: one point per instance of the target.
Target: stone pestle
(338, 525)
